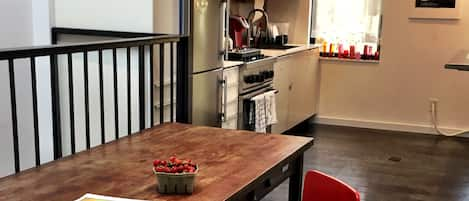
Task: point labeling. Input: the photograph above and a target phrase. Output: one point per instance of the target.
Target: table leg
(296, 180)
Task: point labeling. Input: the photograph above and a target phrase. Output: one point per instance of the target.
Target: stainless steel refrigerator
(209, 84)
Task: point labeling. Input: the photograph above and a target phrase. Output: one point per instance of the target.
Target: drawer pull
(285, 168)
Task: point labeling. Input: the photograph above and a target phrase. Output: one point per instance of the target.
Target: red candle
(365, 51)
(341, 50)
(352, 51)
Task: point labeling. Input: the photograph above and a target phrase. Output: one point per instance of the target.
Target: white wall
(17, 32)
(395, 93)
(116, 15)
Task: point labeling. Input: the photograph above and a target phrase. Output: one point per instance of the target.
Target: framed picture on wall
(435, 9)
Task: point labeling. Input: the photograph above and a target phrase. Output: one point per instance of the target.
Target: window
(347, 22)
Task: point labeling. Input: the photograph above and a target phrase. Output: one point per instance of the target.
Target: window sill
(349, 60)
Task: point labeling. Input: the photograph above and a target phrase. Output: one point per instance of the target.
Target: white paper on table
(93, 197)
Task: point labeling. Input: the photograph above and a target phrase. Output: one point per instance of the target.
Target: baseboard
(380, 125)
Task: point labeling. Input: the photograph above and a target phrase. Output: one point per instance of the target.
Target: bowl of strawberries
(175, 176)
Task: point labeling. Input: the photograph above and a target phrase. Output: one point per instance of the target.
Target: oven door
(245, 103)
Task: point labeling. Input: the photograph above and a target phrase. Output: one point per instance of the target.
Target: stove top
(245, 55)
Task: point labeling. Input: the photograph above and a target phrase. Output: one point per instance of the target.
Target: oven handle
(257, 92)
(225, 98)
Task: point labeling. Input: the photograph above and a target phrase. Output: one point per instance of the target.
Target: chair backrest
(321, 187)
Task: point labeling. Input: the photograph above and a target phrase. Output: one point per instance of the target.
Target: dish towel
(270, 108)
(260, 113)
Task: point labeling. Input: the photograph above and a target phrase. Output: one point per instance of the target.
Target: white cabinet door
(282, 84)
(303, 93)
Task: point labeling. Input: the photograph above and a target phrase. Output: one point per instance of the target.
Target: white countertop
(280, 53)
(227, 64)
(275, 53)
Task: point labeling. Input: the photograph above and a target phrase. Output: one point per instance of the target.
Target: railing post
(141, 92)
(183, 93)
(55, 100)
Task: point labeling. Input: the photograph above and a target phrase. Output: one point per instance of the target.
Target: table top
(228, 161)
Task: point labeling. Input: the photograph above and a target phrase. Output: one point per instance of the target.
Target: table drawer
(266, 183)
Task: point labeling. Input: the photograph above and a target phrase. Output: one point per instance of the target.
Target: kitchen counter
(281, 53)
(227, 64)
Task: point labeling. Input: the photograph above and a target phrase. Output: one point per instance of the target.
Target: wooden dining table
(233, 165)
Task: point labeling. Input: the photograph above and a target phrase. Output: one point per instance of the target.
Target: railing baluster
(35, 111)
(71, 102)
(87, 100)
(141, 70)
(172, 81)
(55, 100)
(161, 83)
(152, 88)
(116, 101)
(129, 99)
(101, 95)
(14, 117)
(183, 81)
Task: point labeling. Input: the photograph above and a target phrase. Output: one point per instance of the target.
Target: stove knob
(247, 79)
(265, 74)
(271, 74)
(260, 78)
(250, 79)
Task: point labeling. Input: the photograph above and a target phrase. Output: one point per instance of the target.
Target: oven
(256, 78)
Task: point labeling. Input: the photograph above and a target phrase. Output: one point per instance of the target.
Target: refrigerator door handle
(223, 99)
(220, 108)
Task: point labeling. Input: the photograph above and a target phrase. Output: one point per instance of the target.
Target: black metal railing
(146, 45)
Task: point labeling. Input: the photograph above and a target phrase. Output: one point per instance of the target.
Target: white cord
(435, 124)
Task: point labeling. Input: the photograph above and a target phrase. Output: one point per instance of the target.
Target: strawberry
(156, 163)
(166, 169)
(172, 159)
(174, 170)
(180, 169)
(159, 169)
(191, 169)
(177, 162)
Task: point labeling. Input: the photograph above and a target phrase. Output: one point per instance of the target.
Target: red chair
(321, 187)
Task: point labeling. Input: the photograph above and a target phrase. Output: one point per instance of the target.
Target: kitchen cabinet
(297, 79)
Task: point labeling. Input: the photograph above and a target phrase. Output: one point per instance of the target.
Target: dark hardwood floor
(388, 166)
